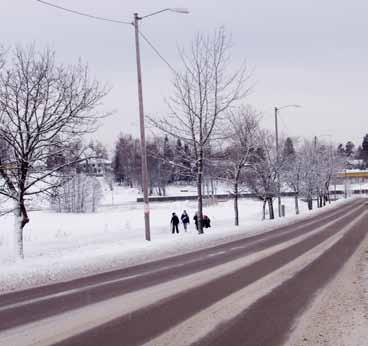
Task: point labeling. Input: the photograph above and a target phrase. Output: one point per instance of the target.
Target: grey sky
(306, 52)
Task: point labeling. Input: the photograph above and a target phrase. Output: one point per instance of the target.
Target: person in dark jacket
(185, 219)
(206, 221)
(195, 218)
(175, 223)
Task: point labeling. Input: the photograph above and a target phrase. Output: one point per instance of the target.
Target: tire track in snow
(227, 309)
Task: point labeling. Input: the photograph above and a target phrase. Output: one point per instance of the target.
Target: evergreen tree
(364, 151)
(289, 150)
(178, 159)
(98, 149)
(349, 148)
(341, 150)
(168, 158)
(127, 160)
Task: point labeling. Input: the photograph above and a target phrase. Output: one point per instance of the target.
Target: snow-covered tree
(349, 148)
(363, 152)
(261, 174)
(320, 164)
(44, 107)
(99, 149)
(127, 160)
(80, 194)
(291, 173)
(242, 143)
(203, 92)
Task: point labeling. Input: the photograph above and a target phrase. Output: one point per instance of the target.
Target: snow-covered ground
(65, 246)
(338, 314)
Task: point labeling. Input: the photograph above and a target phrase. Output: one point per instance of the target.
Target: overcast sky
(312, 53)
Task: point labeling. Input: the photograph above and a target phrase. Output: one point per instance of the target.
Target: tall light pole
(331, 165)
(277, 109)
(135, 23)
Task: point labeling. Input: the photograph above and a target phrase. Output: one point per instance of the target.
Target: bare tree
(320, 164)
(80, 194)
(261, 174)
(203, 92)
(292, 175)
(243, 128)
(309, 174)
(43, 105)
(292, 172)
(328, 163)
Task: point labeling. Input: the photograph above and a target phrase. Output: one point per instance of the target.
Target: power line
(145, 38)
(83, 13)
(157, 51)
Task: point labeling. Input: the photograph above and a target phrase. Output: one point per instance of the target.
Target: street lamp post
(331, 165)
(277, 109)
(142, 131)
(135, 23)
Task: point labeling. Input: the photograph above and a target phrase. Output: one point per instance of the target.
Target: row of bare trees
(224, 138)
(46, 108)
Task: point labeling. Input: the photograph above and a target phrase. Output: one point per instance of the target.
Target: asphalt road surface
(246, 292)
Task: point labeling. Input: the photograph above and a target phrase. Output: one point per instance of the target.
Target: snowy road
(247, 292)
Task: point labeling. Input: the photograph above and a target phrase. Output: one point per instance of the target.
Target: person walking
(175, 223)
(206, 221)
(195, 218)
(185, 219)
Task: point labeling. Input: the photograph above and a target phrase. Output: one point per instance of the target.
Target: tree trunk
(236, 207)
(264, 209)
(296, 198)
(199, 191)
(17, 246)
(310, 203)
(270, 208)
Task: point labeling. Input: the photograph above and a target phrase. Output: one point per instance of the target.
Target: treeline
(210, 135)
(351, 152)
(169, 161)
(245, 161)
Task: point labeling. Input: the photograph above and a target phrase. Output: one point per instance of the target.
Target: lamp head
(179, 10)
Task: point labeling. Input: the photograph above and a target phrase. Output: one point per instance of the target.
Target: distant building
(355, 164)
(353, 176)
(97, 167)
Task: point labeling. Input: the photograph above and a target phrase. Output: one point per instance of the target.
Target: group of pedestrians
(206, 222)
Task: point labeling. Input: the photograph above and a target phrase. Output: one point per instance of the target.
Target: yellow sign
(9, 165)
(362, 174)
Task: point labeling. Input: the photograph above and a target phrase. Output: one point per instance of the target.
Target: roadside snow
(339, 314)
(61, 247)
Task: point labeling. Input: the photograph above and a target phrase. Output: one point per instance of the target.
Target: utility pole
(141, 114)
(142, 131)
(140, 97)
(278, 162)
